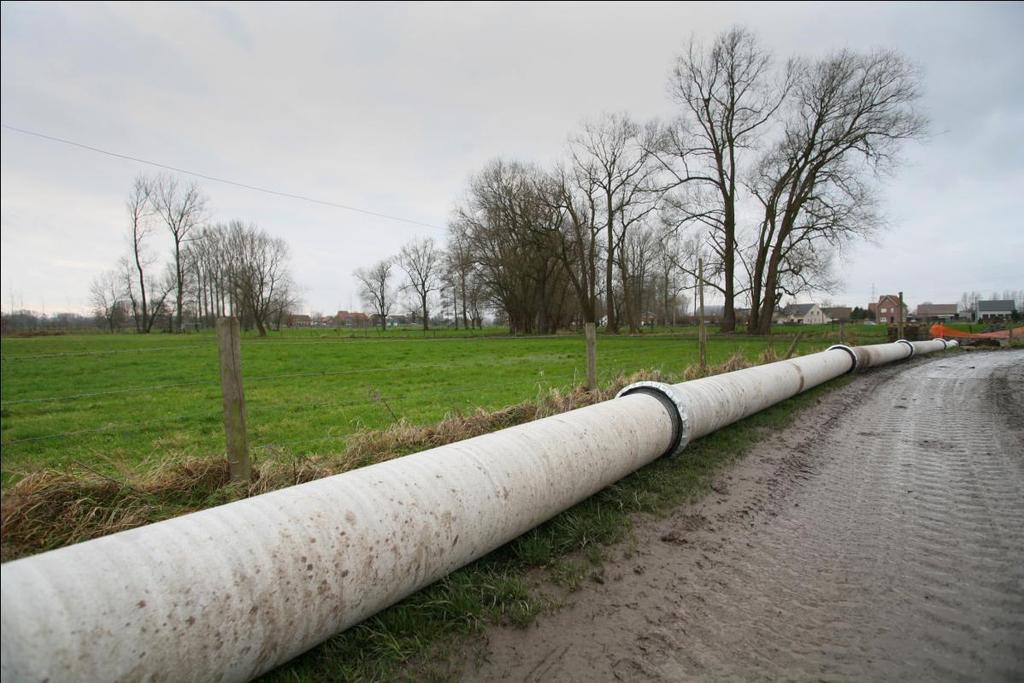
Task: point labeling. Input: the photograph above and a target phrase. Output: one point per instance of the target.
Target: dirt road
(880, 537)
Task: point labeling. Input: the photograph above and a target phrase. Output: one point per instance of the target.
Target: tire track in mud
(881, 536)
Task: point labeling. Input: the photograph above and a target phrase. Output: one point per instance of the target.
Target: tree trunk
(465, 319)
(455, 306)
(764, 323)
(729, 266)
(423, 300)
(180, 294)
(142, 291)
(612, 324)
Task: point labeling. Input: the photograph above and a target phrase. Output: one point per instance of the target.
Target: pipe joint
(674, 403)
(909, 346)
(847, 349)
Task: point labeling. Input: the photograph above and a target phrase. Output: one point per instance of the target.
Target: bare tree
(637, 257)
(422, 262)
(106, 299)
(258, 273)
(181, 207)
(727, 95)
(145, 293)
(671, 274)
(375, 289)
(510, 232)
(460, 267)
(619, 171)
(849, 116)
(573, 195)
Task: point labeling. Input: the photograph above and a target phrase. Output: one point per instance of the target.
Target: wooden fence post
(229, 347)
(590, 331)
(792, 345)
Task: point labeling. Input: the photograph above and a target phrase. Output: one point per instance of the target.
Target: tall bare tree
(422, 262)
(618, 168)
(182, 209)
(460, 267)
(849, 117)
(671, 273)
(148, 298)
(573, 194)
(510, 231)
(375, 289)
(636, 264)
(727, 94)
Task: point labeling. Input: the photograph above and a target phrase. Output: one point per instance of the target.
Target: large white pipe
(231, 592)
(929, 346)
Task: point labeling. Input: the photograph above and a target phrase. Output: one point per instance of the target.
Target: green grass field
(118, 402)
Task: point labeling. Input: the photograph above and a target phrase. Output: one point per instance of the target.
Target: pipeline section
(228, 593)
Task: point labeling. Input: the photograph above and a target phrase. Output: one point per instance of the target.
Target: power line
(216, 179)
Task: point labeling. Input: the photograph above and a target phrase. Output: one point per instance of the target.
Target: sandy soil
(879, 537)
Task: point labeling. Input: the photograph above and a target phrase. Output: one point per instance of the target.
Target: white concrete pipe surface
(719, 400)
(228, 593)
(881, 354)
(929, 346)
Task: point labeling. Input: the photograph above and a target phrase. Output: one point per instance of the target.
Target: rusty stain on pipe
(228, 593)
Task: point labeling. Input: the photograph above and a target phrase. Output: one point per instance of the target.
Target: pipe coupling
(673, 401)
(909, 346)
(847, 349)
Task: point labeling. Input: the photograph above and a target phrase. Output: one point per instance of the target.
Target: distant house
(299, 321)
(887, 309)
(996, 309)
(937, 312)
(837, 314)
(396, 320)
(352, 319)
(803, 314)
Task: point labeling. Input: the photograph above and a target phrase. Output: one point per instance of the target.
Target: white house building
(803, 314)
(996, 309)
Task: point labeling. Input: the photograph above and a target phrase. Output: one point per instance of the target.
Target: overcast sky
(391, 107)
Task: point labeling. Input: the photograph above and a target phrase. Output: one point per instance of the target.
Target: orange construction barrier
(940, 330)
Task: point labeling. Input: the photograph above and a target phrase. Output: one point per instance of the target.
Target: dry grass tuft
(53, 508)
(735, 362)
(767, 356)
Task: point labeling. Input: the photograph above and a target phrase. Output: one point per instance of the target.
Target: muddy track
(879, 537)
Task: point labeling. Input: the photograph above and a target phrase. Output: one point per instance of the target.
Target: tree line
(212, 270)
(767, 171)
